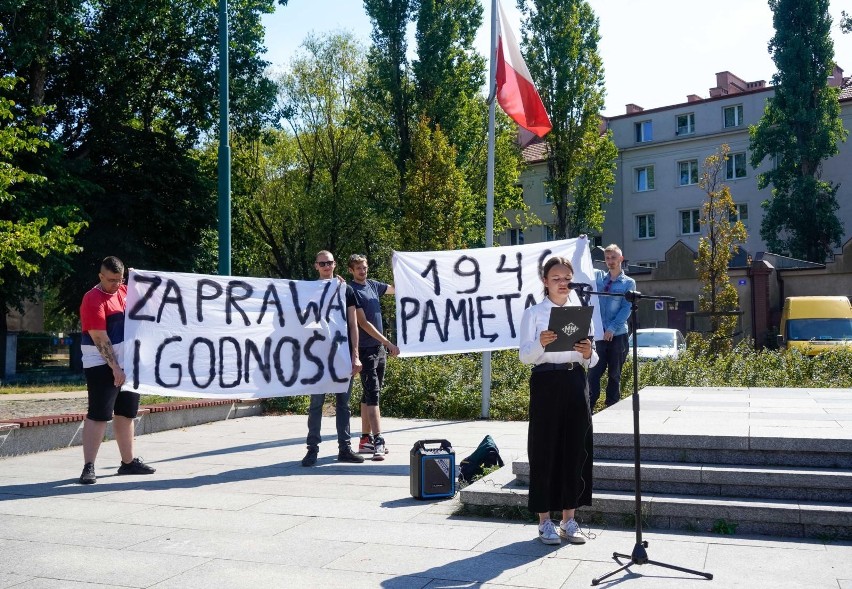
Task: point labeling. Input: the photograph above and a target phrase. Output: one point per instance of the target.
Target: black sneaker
(348, 455)
(135, 466)
(88, 477)
(310, 458)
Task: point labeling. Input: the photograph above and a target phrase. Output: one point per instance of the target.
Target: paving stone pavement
(230, 506)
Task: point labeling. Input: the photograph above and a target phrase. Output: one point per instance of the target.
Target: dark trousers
(342, 414)
(611, 357)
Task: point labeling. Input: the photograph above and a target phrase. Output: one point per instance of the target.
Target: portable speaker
(433, 470)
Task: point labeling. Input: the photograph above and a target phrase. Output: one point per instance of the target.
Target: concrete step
(741, 450)
(719, 480)
(695, 513)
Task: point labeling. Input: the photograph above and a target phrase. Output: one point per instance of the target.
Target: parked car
(658, 342)
(816, 324)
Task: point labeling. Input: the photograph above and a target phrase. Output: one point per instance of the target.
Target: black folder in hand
(571, 324)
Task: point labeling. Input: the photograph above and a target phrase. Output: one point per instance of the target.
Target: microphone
(579, 285)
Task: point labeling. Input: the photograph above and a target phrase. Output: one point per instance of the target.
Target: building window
(643, 131)
(547, 196)
(733, 115)
(690, 222)
(549, 232)
(645, 226)
(516, 237)
(645, 264)
(740, 213)
(735, 166)
(644, 179)
(688, 172)
(685, 124)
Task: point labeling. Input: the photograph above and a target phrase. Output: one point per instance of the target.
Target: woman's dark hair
(555, 261)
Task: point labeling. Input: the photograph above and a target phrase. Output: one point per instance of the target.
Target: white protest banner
(194, 335)
(472, 300)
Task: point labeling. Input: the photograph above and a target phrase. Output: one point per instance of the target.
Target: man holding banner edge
(325, 265)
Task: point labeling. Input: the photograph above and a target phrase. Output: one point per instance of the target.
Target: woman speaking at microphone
(559, 442)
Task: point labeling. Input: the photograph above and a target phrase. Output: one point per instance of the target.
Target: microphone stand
(639, 554)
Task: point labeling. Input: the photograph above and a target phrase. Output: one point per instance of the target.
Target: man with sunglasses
(102, 322)
(324, 264)
(615, 311)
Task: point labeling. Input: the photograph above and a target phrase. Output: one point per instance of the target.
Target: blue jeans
(341, 418)
(611, 357)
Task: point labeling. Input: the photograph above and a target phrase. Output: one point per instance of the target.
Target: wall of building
(668, 147)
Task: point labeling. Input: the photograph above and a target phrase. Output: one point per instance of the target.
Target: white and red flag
(516, 92)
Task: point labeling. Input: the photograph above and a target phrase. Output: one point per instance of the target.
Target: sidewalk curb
(40, 434)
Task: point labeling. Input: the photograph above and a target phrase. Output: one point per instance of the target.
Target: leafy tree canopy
(799, 129)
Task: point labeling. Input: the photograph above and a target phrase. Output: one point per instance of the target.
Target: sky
(655, 52)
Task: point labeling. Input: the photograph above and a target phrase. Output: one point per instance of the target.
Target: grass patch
(42, 387)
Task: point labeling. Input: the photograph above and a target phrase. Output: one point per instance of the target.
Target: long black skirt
(559, 443)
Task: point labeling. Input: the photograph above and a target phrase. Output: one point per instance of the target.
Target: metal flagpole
(224, 147)
(489, 194)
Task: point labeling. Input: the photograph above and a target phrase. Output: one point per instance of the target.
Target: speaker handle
(421, 444)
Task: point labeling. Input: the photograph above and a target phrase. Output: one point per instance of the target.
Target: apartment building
(656, 200)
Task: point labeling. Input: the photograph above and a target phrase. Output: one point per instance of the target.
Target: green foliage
(443, 85)
(800, 128)
(287, 405)
(324, 183)
(437, 204)
(28, 233)
(32, 349)
(389, 91)
(744, 366)
(715, 250)
(561, 41)
(724, 527)
(450, 387)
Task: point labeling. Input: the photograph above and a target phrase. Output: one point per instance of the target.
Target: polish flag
(516, 92)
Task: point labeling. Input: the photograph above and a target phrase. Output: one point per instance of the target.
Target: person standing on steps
(615, 311)
(324, 264)
(559, 441)
(371, 347)
(102, 347)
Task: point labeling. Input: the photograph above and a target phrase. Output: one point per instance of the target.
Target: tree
(326, 179)
(561, 40)
(715, 249)
(799, 129)
(389, 89)
(133, 86)
(438, 197)
(29, 233)
(845, 22)
(448, 72)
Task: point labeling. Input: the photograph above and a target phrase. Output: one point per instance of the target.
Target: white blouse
(535, 320)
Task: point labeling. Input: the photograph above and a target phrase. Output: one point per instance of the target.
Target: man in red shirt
(102, 321)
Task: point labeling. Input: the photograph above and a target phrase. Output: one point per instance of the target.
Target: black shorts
(373, 360)
(105, 398)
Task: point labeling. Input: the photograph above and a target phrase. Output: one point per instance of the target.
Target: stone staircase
(774, 485)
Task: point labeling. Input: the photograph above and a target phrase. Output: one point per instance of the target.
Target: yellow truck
(816, 324)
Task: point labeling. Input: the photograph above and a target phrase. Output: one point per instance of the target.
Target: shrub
(32, 349)
(450, 386)
(745, 367)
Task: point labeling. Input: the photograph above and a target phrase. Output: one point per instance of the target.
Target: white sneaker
(571, 532)
(547, 533)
